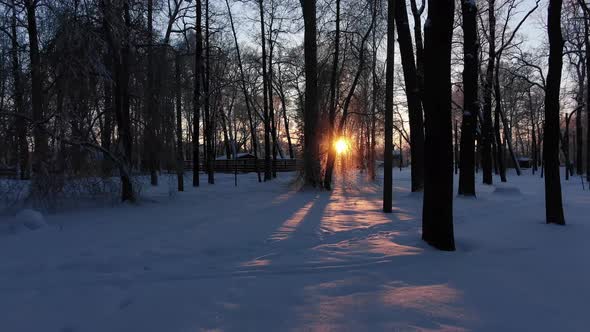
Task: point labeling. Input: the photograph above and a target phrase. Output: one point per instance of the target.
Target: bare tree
(437, 213)
(470, 98)
(553, 200)
(412, 95)
(311, 148)
(388, 123)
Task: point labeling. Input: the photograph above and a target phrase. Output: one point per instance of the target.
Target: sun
(341, 145)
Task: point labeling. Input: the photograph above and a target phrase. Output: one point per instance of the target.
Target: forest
(115, 103)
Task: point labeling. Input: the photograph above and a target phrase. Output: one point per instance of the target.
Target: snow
(265, 257)
(31, 219)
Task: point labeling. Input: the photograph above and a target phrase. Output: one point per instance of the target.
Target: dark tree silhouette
(412, 95)
(553, 201)
(388, 123)
(265, 101)
(437, 213)
(470, 98)
(197, 93)
(311, 149)
(333, 97)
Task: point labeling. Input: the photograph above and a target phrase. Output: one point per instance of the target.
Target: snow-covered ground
(263, 257)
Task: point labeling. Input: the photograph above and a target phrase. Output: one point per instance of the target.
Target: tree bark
(388, 123)
(553, 199)
(412, 95)
(150, 140)
(208, 123)
(39, 136)
(470, 99)
(417, 13)
(437, 213)
(311, 148)
(179, 145)
(487, 134)
(333, 97)
(197, 93)
(586, 9)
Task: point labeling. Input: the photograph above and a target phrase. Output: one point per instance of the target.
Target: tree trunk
(374, 91)
(437, 213)
(179, 147)
(412, 95)
(487, 134)
(197, 93)
(579, 128)
(271, 108)
(267, 129)
(150, 140)
(535, 153)
(345, 107)
(23, 146)
(553, 200)
(208, 123)
(470, 99)
(333, 100)
(311, 148)
(388, 123)
(285, 118)
(249, 106)
(586, 9)
(40, 157)
(417, 14)
(497, 110)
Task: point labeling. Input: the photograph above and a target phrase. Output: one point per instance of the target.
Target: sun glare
(341, 145)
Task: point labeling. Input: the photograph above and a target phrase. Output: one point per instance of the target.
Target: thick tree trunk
(470, 99)
(388, 123)
(553, 200)
(412, 95)
(311, 148)
(437, 213)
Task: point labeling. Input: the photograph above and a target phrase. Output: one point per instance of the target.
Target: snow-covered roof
(239, 156)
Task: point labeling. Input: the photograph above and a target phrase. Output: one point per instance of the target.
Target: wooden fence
(8, 173)
(249, 165)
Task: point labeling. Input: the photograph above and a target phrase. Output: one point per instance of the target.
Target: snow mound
(507, 190)
(30, 219)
